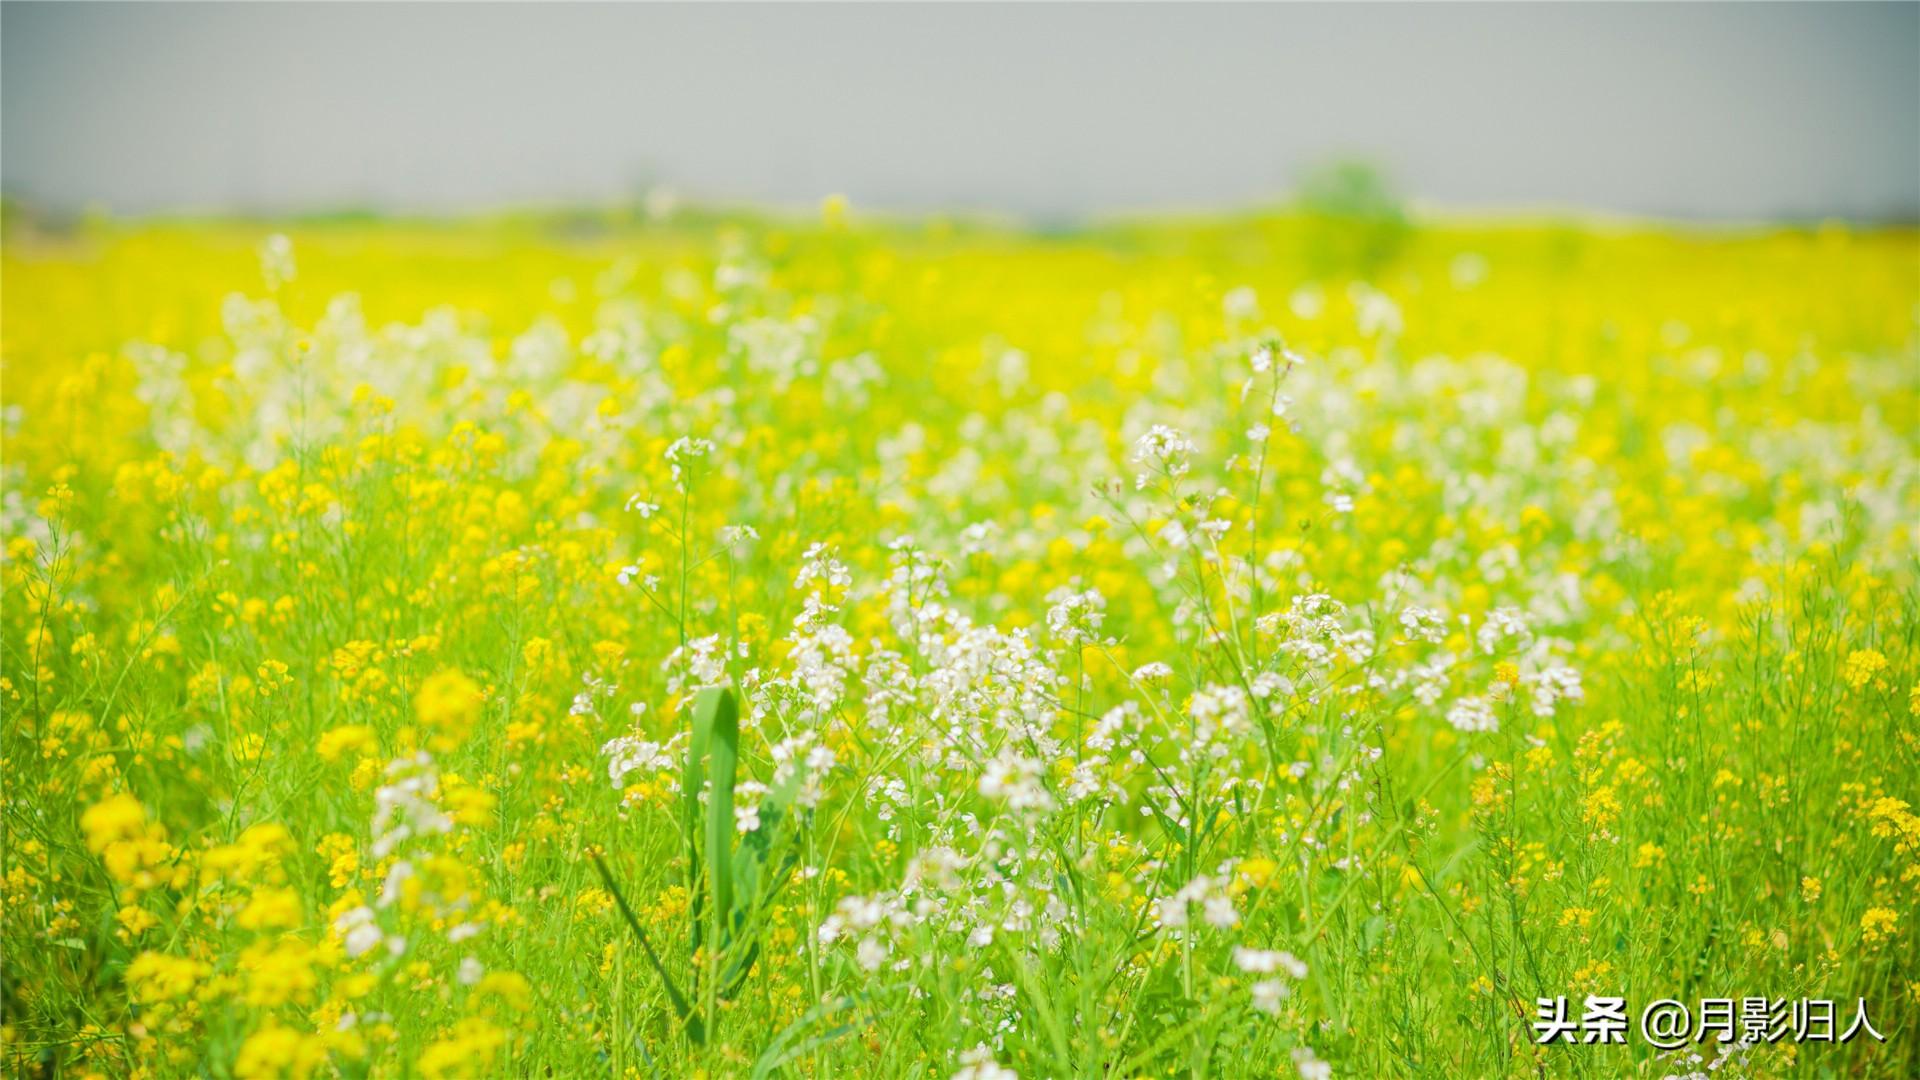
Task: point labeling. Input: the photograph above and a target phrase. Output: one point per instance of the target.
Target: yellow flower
(348, 738)
(1863, 666)
(278, 972)
(1577, 916)
(502, 994)
(342, 861)
(155, 977)
(134, 851)
(279, 1052)
(468, 1050)
(118, 817)
(469, 805)
(1258, 870)
(135, 921)
(249, 748)
(270, 909)
(1877, 926)
(272, 674)
(257, 852)
(446, 705)
(538, 654)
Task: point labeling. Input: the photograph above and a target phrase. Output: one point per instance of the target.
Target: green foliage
(1356, 223)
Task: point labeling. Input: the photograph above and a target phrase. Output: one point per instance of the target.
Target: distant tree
(1356, 222)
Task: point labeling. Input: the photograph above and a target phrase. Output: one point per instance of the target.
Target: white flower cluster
(1269, 993)
(629, 753)
(404, 806)
(1017, 781)
(1209, 894)
(1164, 451)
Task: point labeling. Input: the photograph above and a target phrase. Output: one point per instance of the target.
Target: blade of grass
(695, 1030)
(782, 1049)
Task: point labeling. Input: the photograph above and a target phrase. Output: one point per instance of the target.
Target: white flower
(1016, 780)
(1219, 913)
(629, 754)
(1268, 994)
(1164, 449)
(1473, 714)
(1503, 624)
(977, 538)
(1152, 672)
(1310, 1066)
(1374, 311)
(1421, 624)
(276, 261)
(1552, 685)
(403, 807)
(1219, 711)
(358, 931)
(1268, 683)
(397, 876)
(746, 811)
(1267, 961)
(699, 662)
(818, 564)
(1076, 617)
(1216, 904)
(978, 1064)
(686, 448)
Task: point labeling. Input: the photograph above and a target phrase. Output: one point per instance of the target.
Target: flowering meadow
(730, 645)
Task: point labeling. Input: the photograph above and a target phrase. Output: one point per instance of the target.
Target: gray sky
(1721, 110)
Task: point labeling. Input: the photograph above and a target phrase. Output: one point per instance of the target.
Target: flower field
(740, 646)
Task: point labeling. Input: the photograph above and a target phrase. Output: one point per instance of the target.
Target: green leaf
(736, 880)
(1172, 827)
(716, 729)
(693, 777)
(696, 1031)
(750, 860)
(1371, 932)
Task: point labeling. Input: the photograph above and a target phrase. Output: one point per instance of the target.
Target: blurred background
(1048, 113)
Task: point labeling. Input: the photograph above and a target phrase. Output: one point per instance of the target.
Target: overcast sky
(1718, 110)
